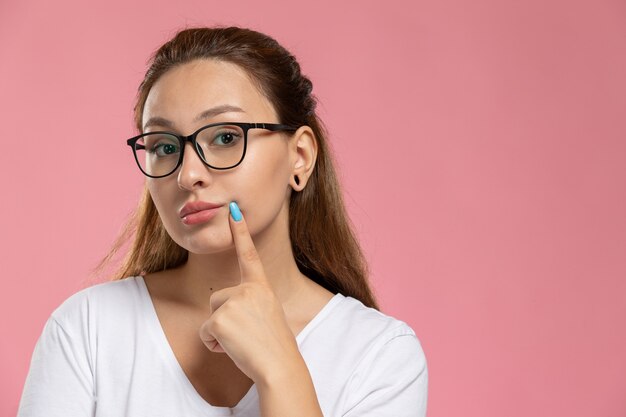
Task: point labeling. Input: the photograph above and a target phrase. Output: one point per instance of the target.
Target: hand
(247, 321)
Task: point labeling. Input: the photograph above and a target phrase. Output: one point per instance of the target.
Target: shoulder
(366, 335)
(362, 322)
(389, 375)
(377, 357)
(382, 337)
(83, 307)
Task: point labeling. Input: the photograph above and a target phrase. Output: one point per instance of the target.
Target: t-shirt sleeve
(391, 381)
(60, 380)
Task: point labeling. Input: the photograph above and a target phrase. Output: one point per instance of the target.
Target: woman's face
(259, 185)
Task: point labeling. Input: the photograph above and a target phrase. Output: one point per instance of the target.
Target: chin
(205, 242)
(210, 237)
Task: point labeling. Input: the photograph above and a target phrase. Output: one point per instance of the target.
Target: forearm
(289, 392)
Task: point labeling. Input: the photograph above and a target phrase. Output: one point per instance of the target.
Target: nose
(193, 173)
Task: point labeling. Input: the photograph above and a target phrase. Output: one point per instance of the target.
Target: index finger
(250, 265)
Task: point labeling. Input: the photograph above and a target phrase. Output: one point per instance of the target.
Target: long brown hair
(323, 241)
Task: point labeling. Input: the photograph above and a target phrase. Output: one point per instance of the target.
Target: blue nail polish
(234, 211)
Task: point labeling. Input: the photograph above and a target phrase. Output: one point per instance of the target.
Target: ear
(303, 154)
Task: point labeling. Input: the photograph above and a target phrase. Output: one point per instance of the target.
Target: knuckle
(246, 291)
(216, 324)
(228, 306)
(206, 330)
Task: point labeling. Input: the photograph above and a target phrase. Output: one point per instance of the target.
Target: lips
(196, 206)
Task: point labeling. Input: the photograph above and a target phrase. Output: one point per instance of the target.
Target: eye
(162, 145)
(225, 138)
(164, 149)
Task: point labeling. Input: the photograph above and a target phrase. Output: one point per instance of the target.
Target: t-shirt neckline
(163, 345)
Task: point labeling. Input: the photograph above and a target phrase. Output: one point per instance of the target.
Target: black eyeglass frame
(274, 127)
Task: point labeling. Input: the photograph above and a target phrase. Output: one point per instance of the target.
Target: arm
(248, 323)
(60, 380)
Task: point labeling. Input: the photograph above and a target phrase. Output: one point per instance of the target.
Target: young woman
(244, 291)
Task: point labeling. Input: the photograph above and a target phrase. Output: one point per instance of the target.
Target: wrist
(288, 371)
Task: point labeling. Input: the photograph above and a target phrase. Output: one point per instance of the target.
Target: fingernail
(234, 211)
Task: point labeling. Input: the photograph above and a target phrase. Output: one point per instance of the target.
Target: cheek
(158, 192)
(263, 188)
(163, 195)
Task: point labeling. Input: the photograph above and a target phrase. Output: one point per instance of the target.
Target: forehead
(186, 91)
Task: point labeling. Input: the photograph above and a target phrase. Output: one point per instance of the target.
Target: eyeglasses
(219, 146)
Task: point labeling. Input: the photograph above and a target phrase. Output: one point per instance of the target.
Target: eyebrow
(207, 114)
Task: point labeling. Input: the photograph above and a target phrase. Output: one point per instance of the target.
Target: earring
(295, 177)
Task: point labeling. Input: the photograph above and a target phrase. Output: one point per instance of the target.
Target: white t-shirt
(103, 353)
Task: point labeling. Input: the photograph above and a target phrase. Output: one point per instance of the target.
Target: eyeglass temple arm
(272, 126)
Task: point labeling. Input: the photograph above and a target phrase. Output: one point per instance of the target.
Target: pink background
(481, 146)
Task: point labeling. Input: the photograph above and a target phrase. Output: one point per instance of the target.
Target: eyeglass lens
(219, 146)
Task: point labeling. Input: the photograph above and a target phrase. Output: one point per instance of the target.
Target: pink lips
(198, 212)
